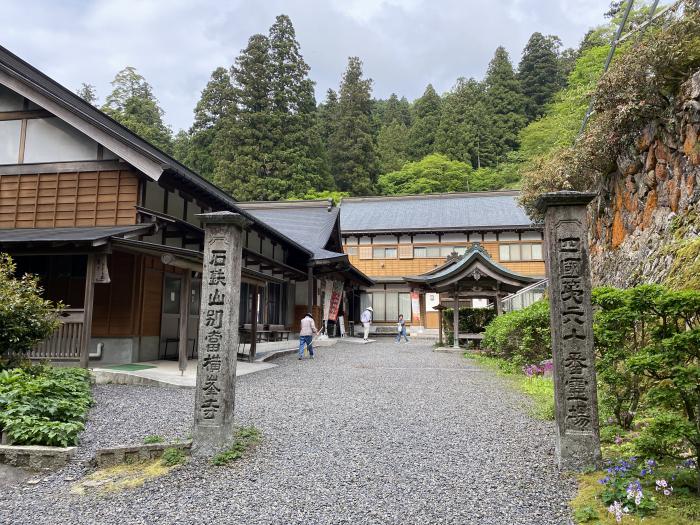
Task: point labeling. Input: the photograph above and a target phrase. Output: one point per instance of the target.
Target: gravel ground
(379, 433)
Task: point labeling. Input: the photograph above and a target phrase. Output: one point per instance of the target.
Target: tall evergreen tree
(540, 73)
(426, 120)
(392, 146)
(88, 93)
(506, 103)
(217, 101)
(298, 157)
(465, 125)
(351, 146)
(243, 145)
(328, 115)
(133, 104)
(270, 147)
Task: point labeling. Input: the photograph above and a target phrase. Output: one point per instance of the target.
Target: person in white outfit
(366, 320)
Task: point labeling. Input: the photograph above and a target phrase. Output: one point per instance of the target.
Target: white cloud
(405, 44)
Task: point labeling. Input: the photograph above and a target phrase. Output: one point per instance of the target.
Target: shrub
(471, 320)
(522, 336)
(623, 327)
(150, 440)
(172, 456)
(25, 317)
(44, 405)
(245, 439)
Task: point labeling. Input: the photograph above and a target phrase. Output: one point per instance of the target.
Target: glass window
(351, 250)
(433, 251)
(377, 253)
(392, 306)
(504, 252)
(195, 297)
(390, 253)
(52, 140)
(461, 250)
(9, 141)
(515, 252)
(10, 101)
(420, 252)
(171, 295)
(446, 250)
(365, 300)
(526, 252)
(537, 251)
(405, 305)
(379, 305)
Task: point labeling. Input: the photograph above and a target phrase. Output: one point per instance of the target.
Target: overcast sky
(175, 44)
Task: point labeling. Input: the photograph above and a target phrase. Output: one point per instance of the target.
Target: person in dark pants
(306, 335)
(402, 330)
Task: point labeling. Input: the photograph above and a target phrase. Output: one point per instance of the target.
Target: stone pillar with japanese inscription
(568, 270)
(218, 333)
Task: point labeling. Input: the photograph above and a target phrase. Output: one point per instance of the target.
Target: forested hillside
(259, 133)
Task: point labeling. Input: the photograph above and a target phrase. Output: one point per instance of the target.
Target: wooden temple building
(109, 223)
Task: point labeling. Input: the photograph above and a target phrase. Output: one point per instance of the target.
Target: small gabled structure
(473, 275)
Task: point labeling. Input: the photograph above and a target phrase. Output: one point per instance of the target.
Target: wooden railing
(65, 342)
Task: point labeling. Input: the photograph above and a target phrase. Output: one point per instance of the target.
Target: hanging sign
(415, 308)
(101, 271)
(335, 298)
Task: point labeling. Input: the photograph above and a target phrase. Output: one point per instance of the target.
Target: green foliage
(392, 146)
(335, 196)
(623, 327)
(25, 317)
(88, 93)
(43, 405)
(432, 174)
(540, 73)
(351, 149)
(640, 87)
(471, 320)
(149, 440)
(465, 130)
(426, 120)
(133, 104)
(172, 456)
(522, 336)
(505, 102)
(585, 514)
(245, 439)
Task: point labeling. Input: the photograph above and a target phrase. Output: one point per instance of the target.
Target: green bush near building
(44, 405)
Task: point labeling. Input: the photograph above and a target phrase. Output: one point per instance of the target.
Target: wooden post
(87, 309)
(499, 307)
(310, 289)
(185, 292)
(254, 324)
(455, 319)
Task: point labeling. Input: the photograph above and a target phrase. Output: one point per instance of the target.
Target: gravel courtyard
(378, 433)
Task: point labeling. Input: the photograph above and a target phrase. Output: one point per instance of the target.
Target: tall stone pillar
(568, 269)
(218, 332)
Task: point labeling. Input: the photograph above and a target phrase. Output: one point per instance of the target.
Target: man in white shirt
(366, 320)
(306, 335)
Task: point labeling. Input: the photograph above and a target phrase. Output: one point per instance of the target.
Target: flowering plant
(623, 490)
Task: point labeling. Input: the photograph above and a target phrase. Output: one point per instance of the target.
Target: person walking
(366, 320)
(306, 335)
(402, 330)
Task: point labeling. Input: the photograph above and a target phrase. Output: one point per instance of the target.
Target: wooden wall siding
(152, 294)
(115, 308)
(402, 267)
(53, 200)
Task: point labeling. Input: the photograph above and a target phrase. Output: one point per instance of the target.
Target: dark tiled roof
(310, 226)
(88, 234)
(456, 211)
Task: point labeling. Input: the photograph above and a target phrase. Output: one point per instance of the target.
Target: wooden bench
(477, 338)
(278, 332)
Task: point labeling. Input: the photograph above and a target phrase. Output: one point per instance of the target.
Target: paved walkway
(378, 433)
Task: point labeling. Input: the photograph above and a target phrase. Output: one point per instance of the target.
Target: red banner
(334, 304)
(415, 308)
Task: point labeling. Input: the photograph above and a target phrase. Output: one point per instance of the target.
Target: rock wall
(651, 202)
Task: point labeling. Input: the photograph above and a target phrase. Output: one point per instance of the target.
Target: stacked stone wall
(651, 202)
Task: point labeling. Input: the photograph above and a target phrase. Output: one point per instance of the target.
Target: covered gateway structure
(464, 278)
